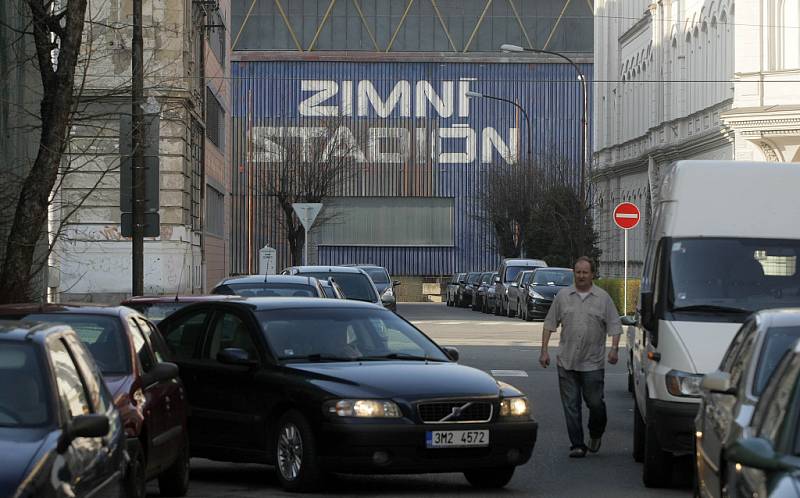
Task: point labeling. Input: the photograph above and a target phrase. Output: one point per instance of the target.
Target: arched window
(714, 40)
(788, 34)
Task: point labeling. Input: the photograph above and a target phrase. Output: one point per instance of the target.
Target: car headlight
(684, 384)
(535, 294)
(364, 408)
(514, 407)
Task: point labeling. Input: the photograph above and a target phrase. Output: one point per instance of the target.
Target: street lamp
(584, 117)
(478, 95)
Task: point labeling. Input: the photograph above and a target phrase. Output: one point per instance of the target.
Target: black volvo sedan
(324, 385)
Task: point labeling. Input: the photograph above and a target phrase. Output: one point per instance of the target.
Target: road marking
(509, 373)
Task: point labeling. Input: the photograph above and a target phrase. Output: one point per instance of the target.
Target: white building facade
(687, 79)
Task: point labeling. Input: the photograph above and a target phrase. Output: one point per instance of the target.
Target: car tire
(497, 308)
(174, 481)
(489, 478)
(296, 464)
(135, 483)
(509, 313)
(528, 317)
(657, 468)
(638, 434)
(447, 301)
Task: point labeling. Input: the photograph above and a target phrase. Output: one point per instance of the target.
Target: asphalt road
(489, 343)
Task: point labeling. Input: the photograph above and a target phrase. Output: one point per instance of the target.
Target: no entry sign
(626, 215)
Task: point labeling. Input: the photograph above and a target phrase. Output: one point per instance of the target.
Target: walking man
(587, 315)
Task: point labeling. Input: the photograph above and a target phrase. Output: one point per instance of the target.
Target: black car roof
(87, 308)
(326, 269)
(280, 303)
(268, 279)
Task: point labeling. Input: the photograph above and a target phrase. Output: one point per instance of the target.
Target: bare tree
(307, 167)
(535, 211)
(61, 31)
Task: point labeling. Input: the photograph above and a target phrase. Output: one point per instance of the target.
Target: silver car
(732, 392)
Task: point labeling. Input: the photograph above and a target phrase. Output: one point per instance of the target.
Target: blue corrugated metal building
(422, 147)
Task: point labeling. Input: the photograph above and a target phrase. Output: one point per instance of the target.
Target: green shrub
(614, 287)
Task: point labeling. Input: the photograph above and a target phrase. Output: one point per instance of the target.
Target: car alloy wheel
(290, 452)
(295, 454)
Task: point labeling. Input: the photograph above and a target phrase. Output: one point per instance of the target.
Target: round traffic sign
(626, 215)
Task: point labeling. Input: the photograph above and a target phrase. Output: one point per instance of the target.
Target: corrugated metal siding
(268, 94)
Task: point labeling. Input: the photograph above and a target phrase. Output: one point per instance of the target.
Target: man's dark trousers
(573, 386)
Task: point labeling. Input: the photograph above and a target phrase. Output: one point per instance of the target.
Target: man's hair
(587, 260)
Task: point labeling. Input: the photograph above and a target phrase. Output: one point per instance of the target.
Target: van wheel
(638, 434)
(657, 469)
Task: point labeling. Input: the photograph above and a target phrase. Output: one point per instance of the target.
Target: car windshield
(261, 289)
(728, 273)
(156, 312)
(331, 334)
(513, 271)
(378, 275)
(777, 341)
(23, 392)
(553, 277)
(354, 285)
(103, 335)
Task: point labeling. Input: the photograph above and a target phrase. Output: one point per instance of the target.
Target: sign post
(626, 216)
(307, 212)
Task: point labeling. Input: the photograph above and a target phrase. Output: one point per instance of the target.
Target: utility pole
(137, 128)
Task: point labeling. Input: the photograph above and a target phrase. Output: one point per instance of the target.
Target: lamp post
(478, 95)
(585, 115)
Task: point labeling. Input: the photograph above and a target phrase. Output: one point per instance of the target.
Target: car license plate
(456, 439)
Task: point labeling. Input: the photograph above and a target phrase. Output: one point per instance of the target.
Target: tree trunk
(30, 216)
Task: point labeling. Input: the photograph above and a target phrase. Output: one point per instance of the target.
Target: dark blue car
(60, 434)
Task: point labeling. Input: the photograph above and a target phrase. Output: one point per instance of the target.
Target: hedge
(614, 287)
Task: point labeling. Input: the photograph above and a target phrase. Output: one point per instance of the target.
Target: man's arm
(548, 327)
(613, 354)
(614, 329)
(544, 356)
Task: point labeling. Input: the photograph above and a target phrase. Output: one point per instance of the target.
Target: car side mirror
(236, 356)
(717, 382)
(161, 372)
(627, 320)
(92, 425)
(396, 283)
(452, 353)
(514, 284)
(757, 453)
(497, 280)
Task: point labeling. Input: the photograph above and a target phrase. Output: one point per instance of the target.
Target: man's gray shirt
(585, 323)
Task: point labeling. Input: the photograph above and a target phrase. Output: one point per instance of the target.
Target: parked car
(479, 296)
(383, 282)
(467, 288)
(731, 393)
(507, 273)
(516, 292)
(60, 434)
(133, 358)
(700, 281)
(355, 282)
(490, 295)
(270, 286)
(542, 289)
(332, 289)
(452, 288)
(156, 308)
(766, 459)
(321, 385)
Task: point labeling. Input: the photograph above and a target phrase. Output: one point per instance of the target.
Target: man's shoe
(594, 444)
(577, 452)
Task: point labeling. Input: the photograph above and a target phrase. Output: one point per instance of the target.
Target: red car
(156, 308)
(132, 356)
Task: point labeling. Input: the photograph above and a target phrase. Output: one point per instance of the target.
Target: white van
(725, 242)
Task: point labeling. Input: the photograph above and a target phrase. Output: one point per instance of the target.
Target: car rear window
(378, 275)
(260, 289)
(354, 285)
(102, 335)
(23, 392)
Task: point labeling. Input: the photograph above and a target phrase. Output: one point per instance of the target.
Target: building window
(216, 38)
(196, 176)
(215, 120)
(215, 212)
